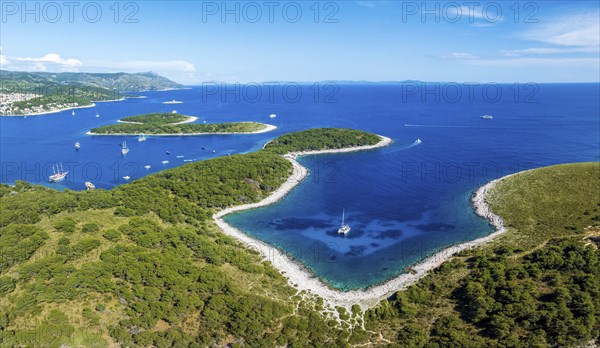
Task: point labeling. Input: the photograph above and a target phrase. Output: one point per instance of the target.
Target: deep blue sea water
(403, 202)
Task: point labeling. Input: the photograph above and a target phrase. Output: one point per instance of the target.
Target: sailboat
(73, 112)
(142, 138)
(89, 185)
(97, 115)
(58, 173)
(77, 146)
(173, 102)
(344, 229)
(124, 149)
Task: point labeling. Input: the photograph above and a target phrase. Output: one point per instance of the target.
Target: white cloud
(549, 50)
(363, 3)
(592, 63)
(48, 62)
(582, 29)
(178, 70)
(54, 59)
(458, 55)
(3, 61)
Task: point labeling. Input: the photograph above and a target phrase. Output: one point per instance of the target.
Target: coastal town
(10, 105)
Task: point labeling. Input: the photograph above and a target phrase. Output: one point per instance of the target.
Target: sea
(403, 202)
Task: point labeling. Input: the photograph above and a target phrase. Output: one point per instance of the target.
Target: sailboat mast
(343, 211)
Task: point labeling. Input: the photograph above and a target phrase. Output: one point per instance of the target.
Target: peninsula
(172, 124)
(145, 264)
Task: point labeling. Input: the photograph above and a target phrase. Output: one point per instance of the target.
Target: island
(173, 124)
(145, 264)
(40, 93)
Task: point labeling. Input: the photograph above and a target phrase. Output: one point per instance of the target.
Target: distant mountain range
(119, 81)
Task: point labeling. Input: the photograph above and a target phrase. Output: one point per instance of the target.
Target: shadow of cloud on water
(356, 250)
(434, 227)
(299, 224)
(392, 234)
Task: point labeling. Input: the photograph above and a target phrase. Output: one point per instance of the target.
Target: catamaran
(345, 228)
(77, 146)
(173, 102)
(124, 149)
(142, 138)
(58, 173)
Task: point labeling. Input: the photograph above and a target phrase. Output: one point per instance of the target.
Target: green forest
(321, 139)
(143, 264)
(157, 118)
(170, 123)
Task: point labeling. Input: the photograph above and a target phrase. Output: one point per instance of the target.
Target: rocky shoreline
(304, 280)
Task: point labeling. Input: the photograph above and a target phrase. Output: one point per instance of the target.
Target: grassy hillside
(534, 286)
(143, 264)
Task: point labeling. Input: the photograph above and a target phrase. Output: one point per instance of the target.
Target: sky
(256, 41)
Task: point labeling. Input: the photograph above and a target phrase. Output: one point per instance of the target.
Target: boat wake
(401, 147)
(440, 126)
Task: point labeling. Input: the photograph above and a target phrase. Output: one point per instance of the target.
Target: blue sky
(191, 42)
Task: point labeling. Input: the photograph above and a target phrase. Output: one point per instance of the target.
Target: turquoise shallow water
(403, 202)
